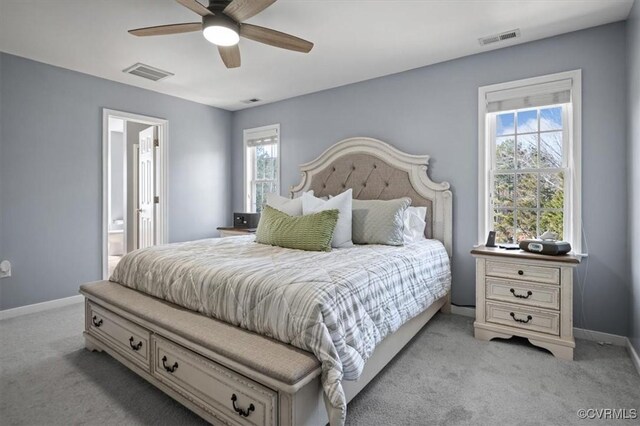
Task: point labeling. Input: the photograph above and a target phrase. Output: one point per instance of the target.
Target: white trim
(134, 190)
(246, 136)
(635, 358)
(162, 228)
(39, 307)
(575, 135)
(125, 189)
(574, 230)
(465, 311)
(600, 337)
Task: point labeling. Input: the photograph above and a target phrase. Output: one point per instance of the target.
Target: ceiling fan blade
(275, 38)
(241, 10)
(167, 29)
(196, 7)
(230, 55)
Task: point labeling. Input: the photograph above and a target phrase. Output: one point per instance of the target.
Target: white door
(146, 188)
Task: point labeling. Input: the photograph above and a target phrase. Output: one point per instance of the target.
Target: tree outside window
(528, 176)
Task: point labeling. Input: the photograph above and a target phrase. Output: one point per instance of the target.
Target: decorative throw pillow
(312, 232)
(414, 224)
(379, 221)
(342, 202)
(290, 206)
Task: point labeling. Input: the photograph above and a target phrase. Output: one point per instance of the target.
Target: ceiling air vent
(507, 35)
(251, 101)
(147, 71)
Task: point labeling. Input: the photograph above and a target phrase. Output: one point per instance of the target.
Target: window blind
(262, 137)
(537, 95)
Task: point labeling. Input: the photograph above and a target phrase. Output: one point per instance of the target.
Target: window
(262, 165)
(530, 159)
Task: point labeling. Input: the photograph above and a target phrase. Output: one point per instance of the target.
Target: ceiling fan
(222, 25)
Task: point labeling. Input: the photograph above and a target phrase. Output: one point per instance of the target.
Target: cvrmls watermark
(608, 413)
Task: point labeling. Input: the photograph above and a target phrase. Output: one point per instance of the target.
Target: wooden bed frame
(204, 374)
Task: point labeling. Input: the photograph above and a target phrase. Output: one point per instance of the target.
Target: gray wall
(433, 110)
(1, 156)
(51, 170)
(633, 78)
(51, 173)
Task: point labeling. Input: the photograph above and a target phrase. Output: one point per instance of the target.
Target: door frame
(134, 188)
(162, 178)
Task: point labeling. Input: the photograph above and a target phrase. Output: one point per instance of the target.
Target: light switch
(5, 269)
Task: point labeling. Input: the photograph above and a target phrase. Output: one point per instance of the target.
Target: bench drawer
(129, 339)
(227, 395)
(515, 271)
(522, 317)
(523, 293)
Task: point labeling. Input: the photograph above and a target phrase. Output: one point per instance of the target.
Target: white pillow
(290, 206)
(341, 202)
(414, 224)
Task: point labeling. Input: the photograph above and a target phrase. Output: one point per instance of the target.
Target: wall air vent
(507, 35)
(251, 101)
(147, 71)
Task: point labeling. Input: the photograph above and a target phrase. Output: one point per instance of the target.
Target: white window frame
(572, 131)
(247, 135)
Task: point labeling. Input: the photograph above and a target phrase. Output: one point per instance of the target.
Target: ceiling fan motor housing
(218, 5)
(220, 20)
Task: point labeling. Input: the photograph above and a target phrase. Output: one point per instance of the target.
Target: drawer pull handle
(521, 296)
(96, 322)
(135, 347)
(171, 369)
(520, 272)
(529, 318)
(240, 411)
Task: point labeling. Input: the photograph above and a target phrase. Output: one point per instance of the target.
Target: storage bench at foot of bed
(226, 375)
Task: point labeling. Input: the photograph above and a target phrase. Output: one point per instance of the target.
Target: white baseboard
(578, 333)
(600, 337)
(39, 307)
(464, 311)
(634, 355)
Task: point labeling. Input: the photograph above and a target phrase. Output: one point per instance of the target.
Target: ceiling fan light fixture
(221, 30)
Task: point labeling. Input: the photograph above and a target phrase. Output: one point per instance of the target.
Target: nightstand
(230, 231)
(525, 294)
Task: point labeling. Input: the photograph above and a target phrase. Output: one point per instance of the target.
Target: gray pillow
(379, 221)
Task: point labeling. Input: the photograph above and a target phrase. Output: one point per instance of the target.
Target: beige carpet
(444, 377)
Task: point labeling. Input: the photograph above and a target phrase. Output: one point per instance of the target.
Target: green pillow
(312, 232)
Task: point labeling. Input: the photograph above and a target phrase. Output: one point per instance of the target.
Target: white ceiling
(354, 40)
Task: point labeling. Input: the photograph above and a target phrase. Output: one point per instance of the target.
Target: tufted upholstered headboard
(377, 171)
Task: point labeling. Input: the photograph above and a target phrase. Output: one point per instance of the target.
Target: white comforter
(338, 305)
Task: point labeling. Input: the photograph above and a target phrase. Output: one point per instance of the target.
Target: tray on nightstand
(230, 231)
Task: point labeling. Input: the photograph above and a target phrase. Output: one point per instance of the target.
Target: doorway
(134, 185)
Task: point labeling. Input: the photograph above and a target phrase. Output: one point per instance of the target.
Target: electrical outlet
(5, 269)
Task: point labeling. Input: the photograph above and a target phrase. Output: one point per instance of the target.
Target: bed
(244, 333)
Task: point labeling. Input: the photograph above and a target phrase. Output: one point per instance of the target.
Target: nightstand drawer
(518, 271)
(523, 293)
(524, 318)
